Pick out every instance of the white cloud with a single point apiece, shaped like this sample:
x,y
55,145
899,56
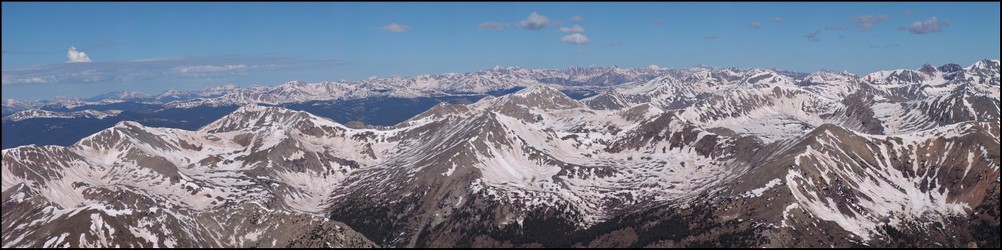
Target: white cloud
x,y
927,26
778,19
572,29
208,68
493,26
535,21
756,24
576,38
577,19
395,28
866,22
77,56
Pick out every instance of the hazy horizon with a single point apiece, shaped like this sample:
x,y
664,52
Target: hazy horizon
x,y
86,49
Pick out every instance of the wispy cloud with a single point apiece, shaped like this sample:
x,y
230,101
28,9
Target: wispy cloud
x,y
613,44
204,69
576,38
492,26
778,19
577,19
659,22
87,47
535,21
816,35
908,13
755,24
712,37
76,56
885,46
866,22
153,68
813,36
396,28
924,27
572,29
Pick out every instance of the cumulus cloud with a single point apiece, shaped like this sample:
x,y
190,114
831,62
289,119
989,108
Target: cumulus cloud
x,y
928,26
866,22
778,19
756,24
572,29
712,37
576,38
77,56
393,27
535,21
492,26
577,19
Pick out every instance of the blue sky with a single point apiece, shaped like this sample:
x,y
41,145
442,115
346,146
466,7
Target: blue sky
x,y
153,47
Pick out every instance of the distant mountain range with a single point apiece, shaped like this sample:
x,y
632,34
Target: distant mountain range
x,y
387,101
695,157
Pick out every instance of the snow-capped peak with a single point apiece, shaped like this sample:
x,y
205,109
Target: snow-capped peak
x,y
928,69
985,64
121,95
256,116
541,96
830,76
538,89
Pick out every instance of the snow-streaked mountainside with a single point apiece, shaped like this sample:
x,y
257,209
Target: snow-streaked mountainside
x,y
38,113
687,82
121,95
695,157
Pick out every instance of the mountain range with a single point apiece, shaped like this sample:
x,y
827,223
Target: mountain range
x,y
655,157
